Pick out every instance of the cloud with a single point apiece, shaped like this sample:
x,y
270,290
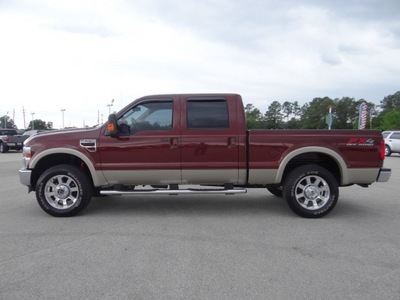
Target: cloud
x,y
80,55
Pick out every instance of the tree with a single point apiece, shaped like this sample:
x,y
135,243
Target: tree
x,y
391,102
254,118
273,116
39,125
391,120
313,114
296,109
292,112
287,109
7,122
346,112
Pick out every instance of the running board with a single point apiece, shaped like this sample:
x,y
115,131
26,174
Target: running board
x,y
173,192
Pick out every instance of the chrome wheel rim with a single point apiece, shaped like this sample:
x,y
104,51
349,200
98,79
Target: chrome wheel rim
x,y
61,192
312,192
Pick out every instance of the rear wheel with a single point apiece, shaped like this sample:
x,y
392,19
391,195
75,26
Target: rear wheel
x,y
311,191
63,191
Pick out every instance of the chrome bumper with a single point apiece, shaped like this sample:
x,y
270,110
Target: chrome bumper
x,y
25,177
384,175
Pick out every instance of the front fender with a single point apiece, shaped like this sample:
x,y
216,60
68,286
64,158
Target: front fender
x,y
97,176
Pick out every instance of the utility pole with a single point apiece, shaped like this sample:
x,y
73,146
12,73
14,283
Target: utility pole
x,y
62,112
23,113
109,106
33,125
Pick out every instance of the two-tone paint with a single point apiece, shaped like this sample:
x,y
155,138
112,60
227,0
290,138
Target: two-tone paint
x,y
224,156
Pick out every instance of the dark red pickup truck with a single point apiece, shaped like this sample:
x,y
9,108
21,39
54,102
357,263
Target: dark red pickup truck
x,y
197,143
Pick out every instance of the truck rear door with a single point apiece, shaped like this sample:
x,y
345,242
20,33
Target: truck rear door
x,y
209,140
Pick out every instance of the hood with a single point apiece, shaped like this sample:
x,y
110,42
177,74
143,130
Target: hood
x,y
63,135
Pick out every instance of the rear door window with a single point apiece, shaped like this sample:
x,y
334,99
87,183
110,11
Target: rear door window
x,y
207,114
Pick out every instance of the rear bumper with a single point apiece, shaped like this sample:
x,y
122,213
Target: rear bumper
x,y
384,175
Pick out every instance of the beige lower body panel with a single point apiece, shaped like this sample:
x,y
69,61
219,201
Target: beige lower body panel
x,y
146,177
361,176
263,176
237,177
143,177
350,176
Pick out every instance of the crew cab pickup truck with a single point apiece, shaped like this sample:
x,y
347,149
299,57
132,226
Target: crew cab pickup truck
x,y
197,143
11,140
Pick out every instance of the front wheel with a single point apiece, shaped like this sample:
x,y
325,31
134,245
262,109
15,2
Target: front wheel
x,y
311,191
63,191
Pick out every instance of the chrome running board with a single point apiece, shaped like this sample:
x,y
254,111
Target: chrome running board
x,y
173,192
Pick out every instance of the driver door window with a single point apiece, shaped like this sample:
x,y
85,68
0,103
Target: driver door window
x,y
147,116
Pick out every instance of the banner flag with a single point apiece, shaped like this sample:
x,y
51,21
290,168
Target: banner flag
x,y
362,116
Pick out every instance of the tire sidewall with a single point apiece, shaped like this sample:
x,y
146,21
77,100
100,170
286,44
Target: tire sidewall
x,y
82,184
299,174
388,151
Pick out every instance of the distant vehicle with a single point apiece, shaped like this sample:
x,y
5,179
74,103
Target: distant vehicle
x,y
392,142
11,140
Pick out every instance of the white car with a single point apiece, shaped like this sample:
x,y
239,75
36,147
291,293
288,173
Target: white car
x,y
392,142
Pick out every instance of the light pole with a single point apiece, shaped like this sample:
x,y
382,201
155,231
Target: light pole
x,y
62,112
109,106
33,126
5,121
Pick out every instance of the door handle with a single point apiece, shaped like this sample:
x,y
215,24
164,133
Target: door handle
x,y
231,142
174,142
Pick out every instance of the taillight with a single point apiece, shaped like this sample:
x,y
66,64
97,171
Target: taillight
x,y
7,139
382,152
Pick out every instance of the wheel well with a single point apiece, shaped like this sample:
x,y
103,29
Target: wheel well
x,y
315,158
58,159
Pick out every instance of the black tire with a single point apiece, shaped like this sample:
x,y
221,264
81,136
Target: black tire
x,y
388,151
63,191
311,191
275,190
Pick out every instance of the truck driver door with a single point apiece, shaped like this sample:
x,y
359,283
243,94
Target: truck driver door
x,y
146,150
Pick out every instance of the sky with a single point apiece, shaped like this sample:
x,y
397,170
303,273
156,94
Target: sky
x,y
79,55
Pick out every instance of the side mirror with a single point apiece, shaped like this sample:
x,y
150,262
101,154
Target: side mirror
x,y
112,126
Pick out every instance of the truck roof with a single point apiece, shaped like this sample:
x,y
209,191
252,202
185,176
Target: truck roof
x,y
8,132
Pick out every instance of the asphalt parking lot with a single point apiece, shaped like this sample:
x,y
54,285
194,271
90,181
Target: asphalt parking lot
x,y
200,247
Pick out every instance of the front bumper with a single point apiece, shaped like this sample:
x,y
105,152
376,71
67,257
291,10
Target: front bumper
x,y
384,175
25,177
